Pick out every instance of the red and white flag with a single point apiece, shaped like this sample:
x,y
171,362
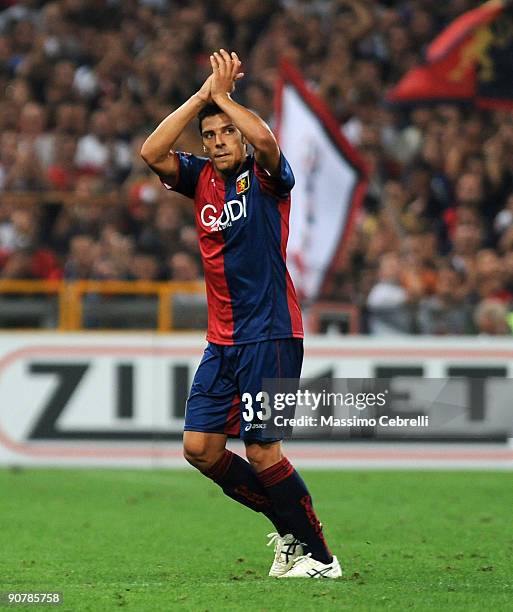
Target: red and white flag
x,y
330,184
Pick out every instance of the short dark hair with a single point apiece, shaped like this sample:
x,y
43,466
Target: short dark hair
x,y
208,111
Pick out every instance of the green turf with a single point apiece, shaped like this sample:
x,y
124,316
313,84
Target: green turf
x,y
169,540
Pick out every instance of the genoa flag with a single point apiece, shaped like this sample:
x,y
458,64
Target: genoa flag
x,y
472,59
331,182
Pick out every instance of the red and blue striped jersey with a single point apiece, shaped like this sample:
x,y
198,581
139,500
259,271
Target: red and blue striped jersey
x,y
243,227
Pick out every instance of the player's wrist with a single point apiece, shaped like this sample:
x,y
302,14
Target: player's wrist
x,y
223,96
201,99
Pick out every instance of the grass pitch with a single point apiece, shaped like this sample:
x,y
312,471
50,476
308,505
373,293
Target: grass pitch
x,y
169,540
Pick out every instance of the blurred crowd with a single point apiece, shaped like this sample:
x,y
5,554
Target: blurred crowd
x,y
85,81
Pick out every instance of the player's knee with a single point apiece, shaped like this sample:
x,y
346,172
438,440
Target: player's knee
x,y
262,456
199,455
195,452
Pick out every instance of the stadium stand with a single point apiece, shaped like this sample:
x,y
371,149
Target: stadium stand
x,y
85,81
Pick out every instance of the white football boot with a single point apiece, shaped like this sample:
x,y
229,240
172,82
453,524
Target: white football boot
x,y
306,567
286,550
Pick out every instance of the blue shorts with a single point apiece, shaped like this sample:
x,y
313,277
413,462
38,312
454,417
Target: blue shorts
x,y
226,373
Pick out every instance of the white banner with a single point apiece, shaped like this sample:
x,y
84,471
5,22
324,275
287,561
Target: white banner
x,y
330,184
105,399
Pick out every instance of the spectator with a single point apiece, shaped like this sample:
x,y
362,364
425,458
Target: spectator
x,y
388,292
63,174
18,266
26,172
448,310
83,254
490,318
145,267
388,299
31,133
183,267
100,152
163,235
489,277
19,232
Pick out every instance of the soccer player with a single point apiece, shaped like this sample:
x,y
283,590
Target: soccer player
x,y
242,205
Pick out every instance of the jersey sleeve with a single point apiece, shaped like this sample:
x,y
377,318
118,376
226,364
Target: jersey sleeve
x,y
281,184
189,168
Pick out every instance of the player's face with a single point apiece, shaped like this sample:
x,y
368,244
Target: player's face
x,y
223,143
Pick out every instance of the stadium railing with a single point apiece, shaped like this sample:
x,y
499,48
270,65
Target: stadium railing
x,y
34,303
338,317
90,304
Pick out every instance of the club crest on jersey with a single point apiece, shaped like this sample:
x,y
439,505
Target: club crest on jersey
x,y
242,183
232,211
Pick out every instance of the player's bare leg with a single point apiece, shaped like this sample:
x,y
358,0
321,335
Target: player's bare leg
x,y
263,455
293,504
203,450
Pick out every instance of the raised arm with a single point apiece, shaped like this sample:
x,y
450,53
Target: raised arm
x,y
255,130
157,149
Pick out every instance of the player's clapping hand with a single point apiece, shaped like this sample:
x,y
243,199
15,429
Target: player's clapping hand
x,y
204,91
225,71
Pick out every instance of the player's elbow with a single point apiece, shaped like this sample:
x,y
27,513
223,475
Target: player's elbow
x,y
148,153
151,154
